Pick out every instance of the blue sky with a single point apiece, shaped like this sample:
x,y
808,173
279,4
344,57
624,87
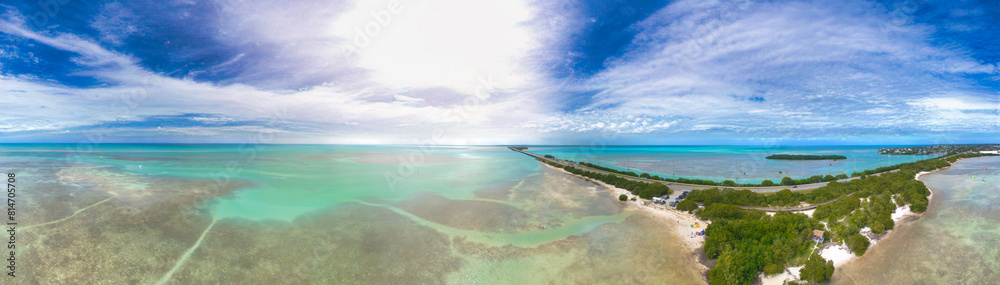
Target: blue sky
x,y
500,72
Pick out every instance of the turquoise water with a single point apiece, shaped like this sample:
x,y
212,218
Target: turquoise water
x,y
358,214
325,214
290,180
743,164
954,242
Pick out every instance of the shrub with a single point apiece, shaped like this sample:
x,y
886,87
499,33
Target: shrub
x,y
687,205
787,181
858,244
622,197
653,190
817,269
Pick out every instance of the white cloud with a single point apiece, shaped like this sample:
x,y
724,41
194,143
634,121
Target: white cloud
x,y
812,66
739,67
115,23
138,93
448,43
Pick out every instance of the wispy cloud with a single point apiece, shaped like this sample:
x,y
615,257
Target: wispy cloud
x,y
497,71
773,67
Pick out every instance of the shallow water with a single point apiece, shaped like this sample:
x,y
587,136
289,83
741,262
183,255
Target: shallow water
x,y
743,164
324,214
955,242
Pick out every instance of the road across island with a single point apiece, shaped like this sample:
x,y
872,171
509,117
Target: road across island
x,y
684,186
681,187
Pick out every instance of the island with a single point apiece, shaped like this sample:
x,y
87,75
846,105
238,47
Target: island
x,y
805,157
938,149
751,235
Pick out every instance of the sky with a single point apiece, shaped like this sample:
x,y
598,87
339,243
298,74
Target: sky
x,y
445,72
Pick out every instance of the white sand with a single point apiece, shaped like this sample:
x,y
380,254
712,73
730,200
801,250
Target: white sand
x,y
921,173
839,254
807,212
901,213
929,197
790,274
682,221
867,233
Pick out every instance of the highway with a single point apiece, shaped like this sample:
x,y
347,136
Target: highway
x,y
681,187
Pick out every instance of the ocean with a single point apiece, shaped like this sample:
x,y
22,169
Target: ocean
x,y
743,164
263,214
269,214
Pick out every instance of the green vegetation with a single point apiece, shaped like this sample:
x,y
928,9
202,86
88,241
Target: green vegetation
x,y
787,181
653,190
745,197
687,205
622,197
922,165
747,242
549,156
858,244
924,150
612,170
817,269
805,157
727,183
645,190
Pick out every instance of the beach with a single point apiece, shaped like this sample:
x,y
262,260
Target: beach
x,y
680,221
953,242
327,215
839,253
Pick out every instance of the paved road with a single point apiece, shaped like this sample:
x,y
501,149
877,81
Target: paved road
x,y
681,187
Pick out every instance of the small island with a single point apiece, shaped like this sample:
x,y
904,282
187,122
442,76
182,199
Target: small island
x,y
805,157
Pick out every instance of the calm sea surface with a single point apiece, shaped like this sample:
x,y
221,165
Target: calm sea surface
x,y
269,214
262,214
743,164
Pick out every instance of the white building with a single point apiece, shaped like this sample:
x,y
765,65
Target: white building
x,y
991,151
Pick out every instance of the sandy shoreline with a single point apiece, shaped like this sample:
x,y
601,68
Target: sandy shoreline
x,y
840,254
680,220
